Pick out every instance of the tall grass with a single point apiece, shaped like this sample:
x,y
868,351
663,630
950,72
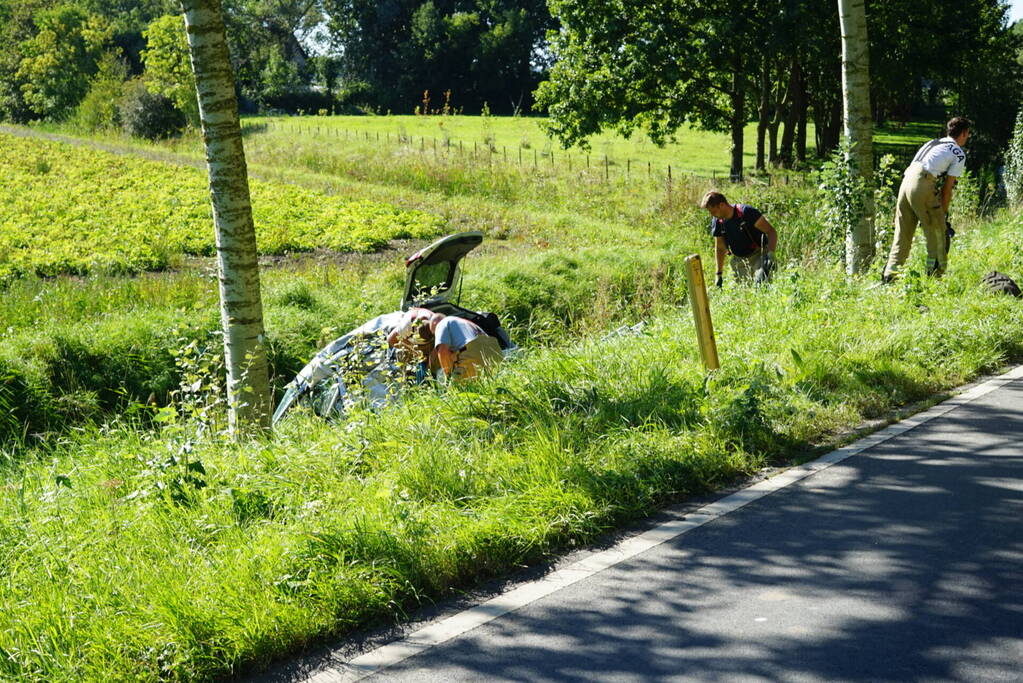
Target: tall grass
x,y
137,555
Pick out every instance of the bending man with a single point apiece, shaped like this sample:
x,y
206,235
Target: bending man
x,y
743,232
462,349
939,161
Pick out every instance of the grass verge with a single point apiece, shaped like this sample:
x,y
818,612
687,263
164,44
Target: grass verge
x,y
145,556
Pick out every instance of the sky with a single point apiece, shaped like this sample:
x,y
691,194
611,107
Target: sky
x,y
1015,10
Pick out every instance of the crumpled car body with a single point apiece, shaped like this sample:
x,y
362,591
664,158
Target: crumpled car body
x,y
359,367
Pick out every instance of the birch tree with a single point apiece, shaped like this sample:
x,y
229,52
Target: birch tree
x,y
859,245
241,310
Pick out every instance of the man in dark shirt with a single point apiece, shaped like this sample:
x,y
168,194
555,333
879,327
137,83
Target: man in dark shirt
x,y
743,232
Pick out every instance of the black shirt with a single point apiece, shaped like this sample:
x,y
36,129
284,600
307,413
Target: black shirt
x,y
741,235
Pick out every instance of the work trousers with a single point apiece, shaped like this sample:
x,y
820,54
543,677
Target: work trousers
x,y
918,203
745,267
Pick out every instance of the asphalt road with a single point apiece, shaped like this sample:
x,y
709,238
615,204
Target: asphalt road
x,y
902,562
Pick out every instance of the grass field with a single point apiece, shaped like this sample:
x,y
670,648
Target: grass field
x,y
506,140
134,549
72,210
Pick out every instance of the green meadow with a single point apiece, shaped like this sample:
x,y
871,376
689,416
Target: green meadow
x,y
137,546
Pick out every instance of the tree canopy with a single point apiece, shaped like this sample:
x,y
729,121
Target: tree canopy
x,y
649,66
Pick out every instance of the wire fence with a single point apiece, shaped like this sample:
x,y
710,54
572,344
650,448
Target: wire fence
x,y
489,155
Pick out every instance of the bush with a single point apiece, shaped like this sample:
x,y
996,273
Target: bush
x,y
1014,164
148,115
99,110
840,200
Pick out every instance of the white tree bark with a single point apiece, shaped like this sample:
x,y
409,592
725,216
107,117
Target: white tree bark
x,y
859,246
241,309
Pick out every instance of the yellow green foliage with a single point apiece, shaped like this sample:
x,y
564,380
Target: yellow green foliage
x,y
77,210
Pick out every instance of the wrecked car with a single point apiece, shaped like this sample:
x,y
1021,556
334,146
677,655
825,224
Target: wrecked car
x,y
360,366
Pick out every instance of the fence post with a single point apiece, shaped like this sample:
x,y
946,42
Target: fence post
x,y
520,156
534,157
628,168
607,170
701,312
648,169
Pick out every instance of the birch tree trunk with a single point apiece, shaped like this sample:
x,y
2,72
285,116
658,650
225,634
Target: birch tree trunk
x,y
241,309
859,244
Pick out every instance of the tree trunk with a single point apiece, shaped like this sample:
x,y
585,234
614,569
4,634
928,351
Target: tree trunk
x,y
241,310
781,99
796,97
859,249
801,132
738,120
762,109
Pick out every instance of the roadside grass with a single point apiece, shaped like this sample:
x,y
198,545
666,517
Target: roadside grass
x,y
141,555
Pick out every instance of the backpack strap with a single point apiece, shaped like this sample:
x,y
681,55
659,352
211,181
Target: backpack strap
x,y
746,228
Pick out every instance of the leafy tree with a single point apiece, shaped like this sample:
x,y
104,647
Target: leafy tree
x,y
60,59
128,19
16,29
266,42
100,107
480,50
651,65
168,71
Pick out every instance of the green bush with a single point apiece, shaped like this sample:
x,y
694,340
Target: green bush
x,y
100,109
149,115
1014,164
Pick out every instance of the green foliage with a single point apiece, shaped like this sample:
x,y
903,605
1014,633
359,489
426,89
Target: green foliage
x,y
71,210
840,201
278,78
966,200
887,178
480,51
100,109
1014,164
148,115
59,61
168,66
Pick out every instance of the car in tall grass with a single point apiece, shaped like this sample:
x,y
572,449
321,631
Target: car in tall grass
x,y
360,366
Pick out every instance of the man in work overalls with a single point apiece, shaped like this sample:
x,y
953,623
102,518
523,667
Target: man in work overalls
x,y
920,202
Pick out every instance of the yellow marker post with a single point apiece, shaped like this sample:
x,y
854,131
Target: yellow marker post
x,y
701,312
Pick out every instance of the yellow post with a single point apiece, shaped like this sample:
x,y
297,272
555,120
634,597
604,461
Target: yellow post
x,y
701,312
